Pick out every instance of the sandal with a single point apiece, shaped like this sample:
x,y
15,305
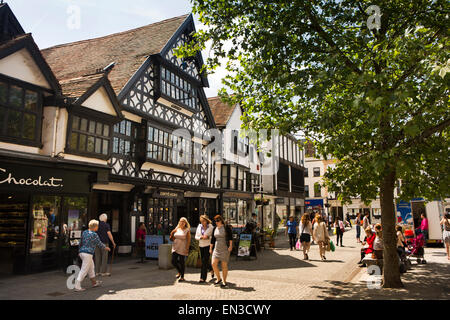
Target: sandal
x,y
181,280
218,282
97,284
178,275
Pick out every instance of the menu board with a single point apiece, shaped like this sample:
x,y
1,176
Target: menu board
x,y
245,242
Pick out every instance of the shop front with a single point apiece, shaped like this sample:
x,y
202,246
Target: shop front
x,y
43,209
314,205
237,207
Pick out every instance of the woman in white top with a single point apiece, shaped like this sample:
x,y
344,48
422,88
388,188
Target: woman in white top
x,y
446,233
305,230
320,235
203,235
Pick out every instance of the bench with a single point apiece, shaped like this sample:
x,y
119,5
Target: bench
x,y
369,261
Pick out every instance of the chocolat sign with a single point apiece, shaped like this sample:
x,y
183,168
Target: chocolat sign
x,y
40,182
14,177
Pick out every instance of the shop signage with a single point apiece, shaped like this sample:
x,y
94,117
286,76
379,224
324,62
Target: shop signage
x,y
168,194
152,244
245,242
237,195
14,177
279,200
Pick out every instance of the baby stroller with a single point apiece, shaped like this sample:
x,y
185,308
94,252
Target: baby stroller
x,y
415,250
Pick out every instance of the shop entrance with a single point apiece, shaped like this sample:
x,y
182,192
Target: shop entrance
x,y
162,215
14,209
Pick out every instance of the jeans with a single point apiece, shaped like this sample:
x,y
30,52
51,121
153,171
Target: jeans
x,y
178,262
292,240
101,260
87,268
358,232
339,235
206,265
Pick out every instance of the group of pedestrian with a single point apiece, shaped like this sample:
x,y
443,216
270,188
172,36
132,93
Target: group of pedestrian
x,y
215,242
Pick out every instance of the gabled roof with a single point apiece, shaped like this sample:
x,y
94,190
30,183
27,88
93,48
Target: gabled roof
x,y
221,111
9,26
128,49
26,41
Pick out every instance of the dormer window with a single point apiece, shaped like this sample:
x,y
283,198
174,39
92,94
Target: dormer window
x,y
178,89
20,114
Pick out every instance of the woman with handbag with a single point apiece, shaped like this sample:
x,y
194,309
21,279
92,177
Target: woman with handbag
x,y
203,235
305,235
320,235
340,229
181,237
220,248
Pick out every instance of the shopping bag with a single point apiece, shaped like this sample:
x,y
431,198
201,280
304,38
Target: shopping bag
x,y
298,245
332,246
334,231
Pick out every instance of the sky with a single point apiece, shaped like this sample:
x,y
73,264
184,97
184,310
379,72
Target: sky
x,y
53,22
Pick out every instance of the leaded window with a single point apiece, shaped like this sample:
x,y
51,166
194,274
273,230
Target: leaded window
x,y
20,113
90,137
124,138
165,147
177,88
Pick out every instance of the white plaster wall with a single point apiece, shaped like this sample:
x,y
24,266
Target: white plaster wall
x,y
21,65
100,101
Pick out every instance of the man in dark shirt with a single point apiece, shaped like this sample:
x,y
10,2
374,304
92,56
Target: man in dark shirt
x,y
101,256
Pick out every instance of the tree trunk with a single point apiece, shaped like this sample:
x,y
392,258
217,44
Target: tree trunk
x,y
391,271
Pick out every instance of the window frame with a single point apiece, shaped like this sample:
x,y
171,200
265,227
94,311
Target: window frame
x,y
37,141
186,88
315,172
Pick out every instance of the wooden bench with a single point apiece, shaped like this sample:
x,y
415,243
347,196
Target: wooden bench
x,y
369,261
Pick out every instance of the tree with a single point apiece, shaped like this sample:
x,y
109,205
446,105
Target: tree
x,y
375,99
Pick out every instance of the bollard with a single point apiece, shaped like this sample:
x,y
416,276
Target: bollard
x,y
165,256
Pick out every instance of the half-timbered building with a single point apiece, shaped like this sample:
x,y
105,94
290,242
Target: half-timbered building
x,y
158,156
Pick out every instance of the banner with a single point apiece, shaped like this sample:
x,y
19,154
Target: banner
x,y
152,244
404,215
245,242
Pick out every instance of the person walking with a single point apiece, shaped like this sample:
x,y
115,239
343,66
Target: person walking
x,y
445,222
292,230
101,256
305,235
339,226
358,227
366,222
424,226
349,221
181,237
320,235
203,236
89,242
140,241
220,248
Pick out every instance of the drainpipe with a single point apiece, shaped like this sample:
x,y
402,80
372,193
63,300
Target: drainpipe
x,y
55,131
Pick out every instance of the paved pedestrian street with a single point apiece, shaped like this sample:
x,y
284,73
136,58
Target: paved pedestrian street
x,y
278,274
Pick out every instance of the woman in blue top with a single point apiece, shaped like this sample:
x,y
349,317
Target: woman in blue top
x,y
291,229
89,241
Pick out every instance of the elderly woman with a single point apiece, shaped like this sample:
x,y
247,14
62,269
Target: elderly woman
x,y
203,236
89,241
320,235
181,237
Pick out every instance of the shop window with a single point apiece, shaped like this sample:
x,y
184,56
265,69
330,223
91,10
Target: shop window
x,y
74,217
20,113
45,224
89,137
225,176
178,89
316,172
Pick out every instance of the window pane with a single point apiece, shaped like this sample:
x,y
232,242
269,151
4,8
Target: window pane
x,y
105,147
116,145
92,126
31,100
155,135
15,96
99,130
73,140
98,145
29,126
83,125
75,123
106,130
160,153
3,92
150,151
82,145
161,137
127,147
90,144
128,130
166,138
163,72
150,134
14,123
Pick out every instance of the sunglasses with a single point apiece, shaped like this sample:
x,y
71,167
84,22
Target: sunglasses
x,y
218,220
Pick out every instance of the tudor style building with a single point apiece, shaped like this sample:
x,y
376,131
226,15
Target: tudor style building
x,y
158,151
